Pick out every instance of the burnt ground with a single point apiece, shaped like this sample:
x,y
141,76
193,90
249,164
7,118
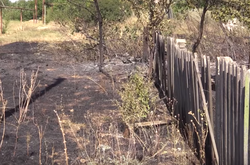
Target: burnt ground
x,y
85,101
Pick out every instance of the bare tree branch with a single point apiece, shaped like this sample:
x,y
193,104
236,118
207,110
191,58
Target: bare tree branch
x,y
82,6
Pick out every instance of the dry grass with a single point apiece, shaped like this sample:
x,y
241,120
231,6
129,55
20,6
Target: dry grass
x,y
62,38
64,140
25,93
97,145
31,32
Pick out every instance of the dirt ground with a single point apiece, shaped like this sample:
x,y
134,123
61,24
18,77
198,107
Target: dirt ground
x,y
84,99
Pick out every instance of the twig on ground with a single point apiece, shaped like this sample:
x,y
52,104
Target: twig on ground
x,y
41,132
63,136
2,117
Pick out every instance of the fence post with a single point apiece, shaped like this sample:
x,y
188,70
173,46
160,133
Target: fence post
x,y
21,16
248,59
36,10
45,13
1,19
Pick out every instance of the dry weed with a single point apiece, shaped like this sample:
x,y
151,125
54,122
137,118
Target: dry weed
x,y
2,115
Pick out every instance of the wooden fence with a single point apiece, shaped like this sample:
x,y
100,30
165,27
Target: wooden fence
x,y
186,80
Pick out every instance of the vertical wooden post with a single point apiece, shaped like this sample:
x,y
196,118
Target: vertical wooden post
x,y
36,10
45,14
1,19
34,16
237,113
241,115
21,16
43,11
246,120
248,59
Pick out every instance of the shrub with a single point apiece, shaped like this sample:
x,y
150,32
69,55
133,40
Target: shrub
x,y
136,99
5,26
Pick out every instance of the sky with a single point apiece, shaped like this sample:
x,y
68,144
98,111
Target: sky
x,y
13,0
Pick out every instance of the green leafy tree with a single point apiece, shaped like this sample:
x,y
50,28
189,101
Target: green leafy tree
x,y
69,10
5,2
227,10
14,14
77,12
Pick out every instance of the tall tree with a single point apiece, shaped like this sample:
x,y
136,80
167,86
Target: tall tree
x,y
151,13
205,5
96,14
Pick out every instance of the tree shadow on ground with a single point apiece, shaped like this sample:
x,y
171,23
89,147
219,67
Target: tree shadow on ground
x,y
10,112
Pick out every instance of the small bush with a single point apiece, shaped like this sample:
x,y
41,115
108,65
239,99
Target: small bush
x,y
136,99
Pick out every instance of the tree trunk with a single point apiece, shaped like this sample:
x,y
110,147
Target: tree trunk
x,y
198,40
100,34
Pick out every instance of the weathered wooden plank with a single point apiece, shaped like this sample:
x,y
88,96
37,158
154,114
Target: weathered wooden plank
x,y
189,86
237,95
225,128
233,114
173,52
203,80
209,150
246,118
186,87
209,84
176,83
182,86
157,64
218,108
169,65
197,78
241,115
229,128
221,112
164,78
194,91
160,59
152,123
192,79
